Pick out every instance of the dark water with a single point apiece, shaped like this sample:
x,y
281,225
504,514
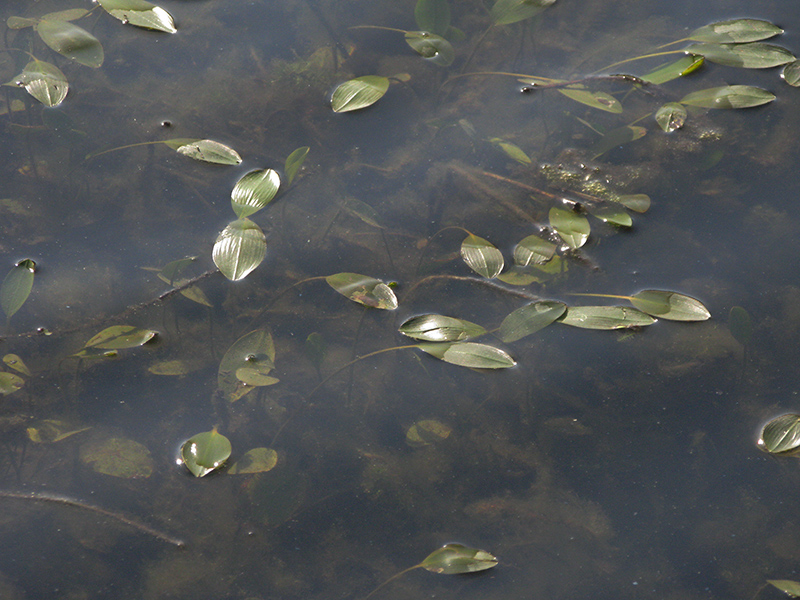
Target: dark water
x,y
604,465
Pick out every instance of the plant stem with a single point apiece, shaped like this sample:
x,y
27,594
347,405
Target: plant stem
x,y
392,578
96,154
642,57
403,31
602,296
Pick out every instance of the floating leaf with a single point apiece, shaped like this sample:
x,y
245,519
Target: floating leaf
x,y
530,319
670,305
10,383
119,337
293,163
570,226
71,41
438,328
15,362
512,151
636,202
505,12
787,586
257,460
50,431
17,286
431,46
748,56
118,457
205,150
599,100
363,211
740,325
791,73
239,249
606,317
454,559
43,81
735,31
617,137
433,16
481,256
359,93
251,356
533,250
205,452
680,68
781,435
729,96
671,116
364,290
611,214
140,13
427,432
469,354
254,191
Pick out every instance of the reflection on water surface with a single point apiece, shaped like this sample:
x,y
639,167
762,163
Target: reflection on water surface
x,y
604,464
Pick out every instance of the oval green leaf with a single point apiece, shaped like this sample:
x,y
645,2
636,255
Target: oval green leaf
x,y
43,81
13,361
17,286
359,93
533,250
747,56
119,337
250,357
680,68
205,150
439,328
140,14
636,202
469,354
606,317
433,16
239,249
791,73
257,460
570,226
364,290
205,452
530,319
254,191
735,31
671,116
787,586
670,305
512,151
10,383
599,100
729,96
118,457
454,559
611,214
294,161
781,435
71,41
481,256
433,47
505,12
362,210
20,22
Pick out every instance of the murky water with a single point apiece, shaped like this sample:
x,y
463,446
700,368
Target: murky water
x,y
604,465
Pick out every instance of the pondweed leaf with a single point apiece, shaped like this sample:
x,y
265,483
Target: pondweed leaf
x,y
671,116
50,431
119,337
670,305
747,56
205,452
680,68
439,328
469,354
636,202
740,325
610,214
246,365
293,163
10,383
426,433
735,31
617,137
598,100
791,73
239,249
364,290
533,250
118,457
570,226
505,12
71,41
17,286
454,559
432,47
781,435
729,96
171,274
512,151
21,22
530,319
257,460
787,586
481,256
433,16
205,150
605,317
140,14
43,81
254,191
13,361
362,210
359,93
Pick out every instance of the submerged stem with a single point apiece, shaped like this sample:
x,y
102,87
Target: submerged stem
x,y
96,154
642,57
392,578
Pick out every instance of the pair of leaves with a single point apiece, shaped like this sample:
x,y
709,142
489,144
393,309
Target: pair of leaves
x,y
648,304
364,290
43,81
17,286
673,115
246,365
114,338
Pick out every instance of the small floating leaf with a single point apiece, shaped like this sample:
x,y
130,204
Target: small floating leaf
x,y
505,12
781,435
10,383
787,586
512,151
606,317
293,163
740,325
680,68
454,559
239,249
431,46
205,452
433,16
15,362
251,356
670,305
729,96
618,137
71,41
611,214
118,457
533,250
530,319
469,354
257,460
570,226
671,116
359,93
119,337
636,202
364,290
439,328
140,13
254,191
50,431
735,31
748,56
427,432
205,150
43,81
481,256
791,73
17,286
599,100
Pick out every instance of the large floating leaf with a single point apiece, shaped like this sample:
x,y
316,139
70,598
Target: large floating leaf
x,y
205,150
680,68
10,383
729,96
735,31
17,286
205,452
254,191
570,226
293,163
748,56
364,290
257,460
246,365
787,586
617,137
671,116
140,13
481,256
427,432
239,249
781,435
505,12
439,328
431,46
530,319
791,73
433,16
606,317
454,559
533,250
71,41
469,354
43,81
599,100
359,93
670,305
118,457
119,337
